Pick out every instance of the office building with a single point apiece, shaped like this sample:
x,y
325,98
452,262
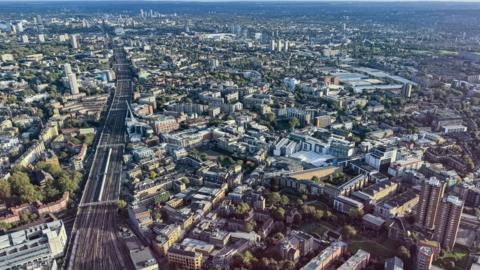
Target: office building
x,y
381,157
448,220
141,256
184,259
74,41
326,257
429,204
394,263
166,125
166,237
407,90
19,27
67,68
425,256
34,248
71,79
273,45
358,261
25,39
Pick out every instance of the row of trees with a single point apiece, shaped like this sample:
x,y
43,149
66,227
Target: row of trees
x,y
276,199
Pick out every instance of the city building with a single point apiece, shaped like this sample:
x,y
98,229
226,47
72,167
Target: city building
x,y
429,203
394,263
448,221
71,80
166,237
141,256
74,43
184,259
34,248
326,257
356,262
425,256
346,205
397,205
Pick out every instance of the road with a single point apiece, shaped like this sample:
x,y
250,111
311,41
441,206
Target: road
x,y
94,242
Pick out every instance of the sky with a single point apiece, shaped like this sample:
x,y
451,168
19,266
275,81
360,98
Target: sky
x,y
258,1
241,0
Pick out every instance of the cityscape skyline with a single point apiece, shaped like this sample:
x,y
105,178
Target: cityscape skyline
x,y
240,135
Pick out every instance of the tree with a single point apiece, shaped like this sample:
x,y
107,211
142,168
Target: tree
x,y
225,161
162,197
63,181
51,193
270,118
349,232
244,259
66,183
403,253
153,174
237,259
157,216
279,213
318,215
21,187
185,180
242,209
293,122
469,163
87,138
122,204
303,190
5,190
63,155
266,263
54,169
274,198
308,209
355,213
5,226
288,265
284,200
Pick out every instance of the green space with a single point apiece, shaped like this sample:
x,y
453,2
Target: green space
x,y
445,52
319,205
421,52
454,260
314,228
208,153
376,249
282,124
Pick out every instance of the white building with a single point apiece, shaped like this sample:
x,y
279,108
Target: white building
x,y
290,82
71,79
74,41
34,248
381,157
25,39
453,129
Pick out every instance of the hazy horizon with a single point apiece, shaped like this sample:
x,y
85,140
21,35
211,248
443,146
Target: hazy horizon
x,y
256,1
